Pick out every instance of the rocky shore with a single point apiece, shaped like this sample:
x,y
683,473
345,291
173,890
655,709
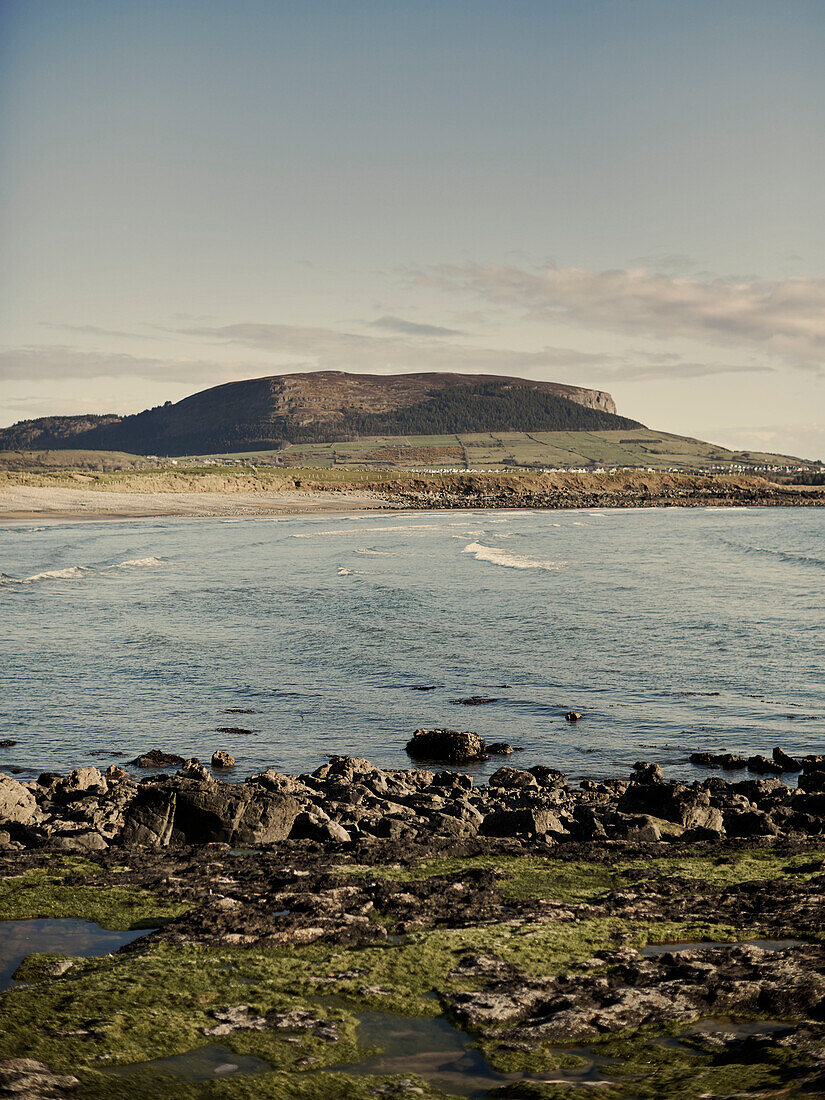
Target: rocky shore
x,y
641,936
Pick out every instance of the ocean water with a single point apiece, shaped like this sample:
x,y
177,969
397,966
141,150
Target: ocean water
x,y
669,629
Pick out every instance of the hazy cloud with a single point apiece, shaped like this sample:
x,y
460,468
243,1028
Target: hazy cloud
x,y
783,319
55,361
413,328
328,349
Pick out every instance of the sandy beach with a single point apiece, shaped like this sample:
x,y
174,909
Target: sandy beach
x,y
24,502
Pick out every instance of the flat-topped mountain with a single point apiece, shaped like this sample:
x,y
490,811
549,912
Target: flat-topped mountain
x,y
326,406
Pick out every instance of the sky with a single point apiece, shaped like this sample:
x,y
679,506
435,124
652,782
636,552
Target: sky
x,y
622,194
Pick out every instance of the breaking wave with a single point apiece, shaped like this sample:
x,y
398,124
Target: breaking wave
x,y
140,563
496,556
73,572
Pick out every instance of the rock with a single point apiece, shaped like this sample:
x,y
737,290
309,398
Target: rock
x,y
114,774
233,729
187,811
473,701
533,822
673,802
572,716
812,781
449,746
513,779
156,758
500,748
222,759
17,804
647,773
639,828
727,760
31,1080
749,823
193,769
763,766
315,826
548,777
786,763
7,743
80,782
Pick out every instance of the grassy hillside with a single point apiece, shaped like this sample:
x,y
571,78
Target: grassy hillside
x,y
637,447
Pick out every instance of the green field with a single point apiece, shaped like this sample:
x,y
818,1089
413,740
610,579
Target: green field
x,y
635,447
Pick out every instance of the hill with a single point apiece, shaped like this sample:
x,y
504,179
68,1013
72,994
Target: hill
x,y
327,406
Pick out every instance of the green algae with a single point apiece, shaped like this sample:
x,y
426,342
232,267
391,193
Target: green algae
x,y
549,877
59,892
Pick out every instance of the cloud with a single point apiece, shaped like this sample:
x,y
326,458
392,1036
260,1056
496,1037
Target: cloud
x,y
413,328
328,349
56,361
783,319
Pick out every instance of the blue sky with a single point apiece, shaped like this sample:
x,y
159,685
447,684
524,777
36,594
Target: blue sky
x,y
620,194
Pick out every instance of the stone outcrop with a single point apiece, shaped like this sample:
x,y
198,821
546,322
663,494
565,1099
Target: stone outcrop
x,y
447,746
348,800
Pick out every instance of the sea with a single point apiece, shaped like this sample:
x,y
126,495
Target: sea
x,y
287,640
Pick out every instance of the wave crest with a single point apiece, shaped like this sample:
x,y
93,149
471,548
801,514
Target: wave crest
x,y
497,556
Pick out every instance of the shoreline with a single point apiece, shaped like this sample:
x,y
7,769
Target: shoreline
x,y
52,504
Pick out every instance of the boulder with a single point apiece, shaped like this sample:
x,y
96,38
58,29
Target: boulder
x,y
647,773
114,774
17,804
316,826
188,811
513,779
500,748
787,763
447,746
572,716
534,821
79,783
673,802
193,769
761,765
222,759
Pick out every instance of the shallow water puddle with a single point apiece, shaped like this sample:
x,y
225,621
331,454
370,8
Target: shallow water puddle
x,y
431,1048
21,938
205,1064
654,949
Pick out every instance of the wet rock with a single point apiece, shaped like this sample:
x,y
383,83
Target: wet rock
x,y
17,804
786,763
473,701
673,802
157,758
573,716
114,774
234,730
222,759
449,746
500,748
7,743
727,760
763,766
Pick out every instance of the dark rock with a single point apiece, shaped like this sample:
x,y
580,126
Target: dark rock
x,y
7,744
572,716
786,763
750,823
186,811
473,701
114,774
193,769
233,729
647,773
763,766
450,746
812,781
533,822
513,779
500,748
222,759
673,802
156,758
